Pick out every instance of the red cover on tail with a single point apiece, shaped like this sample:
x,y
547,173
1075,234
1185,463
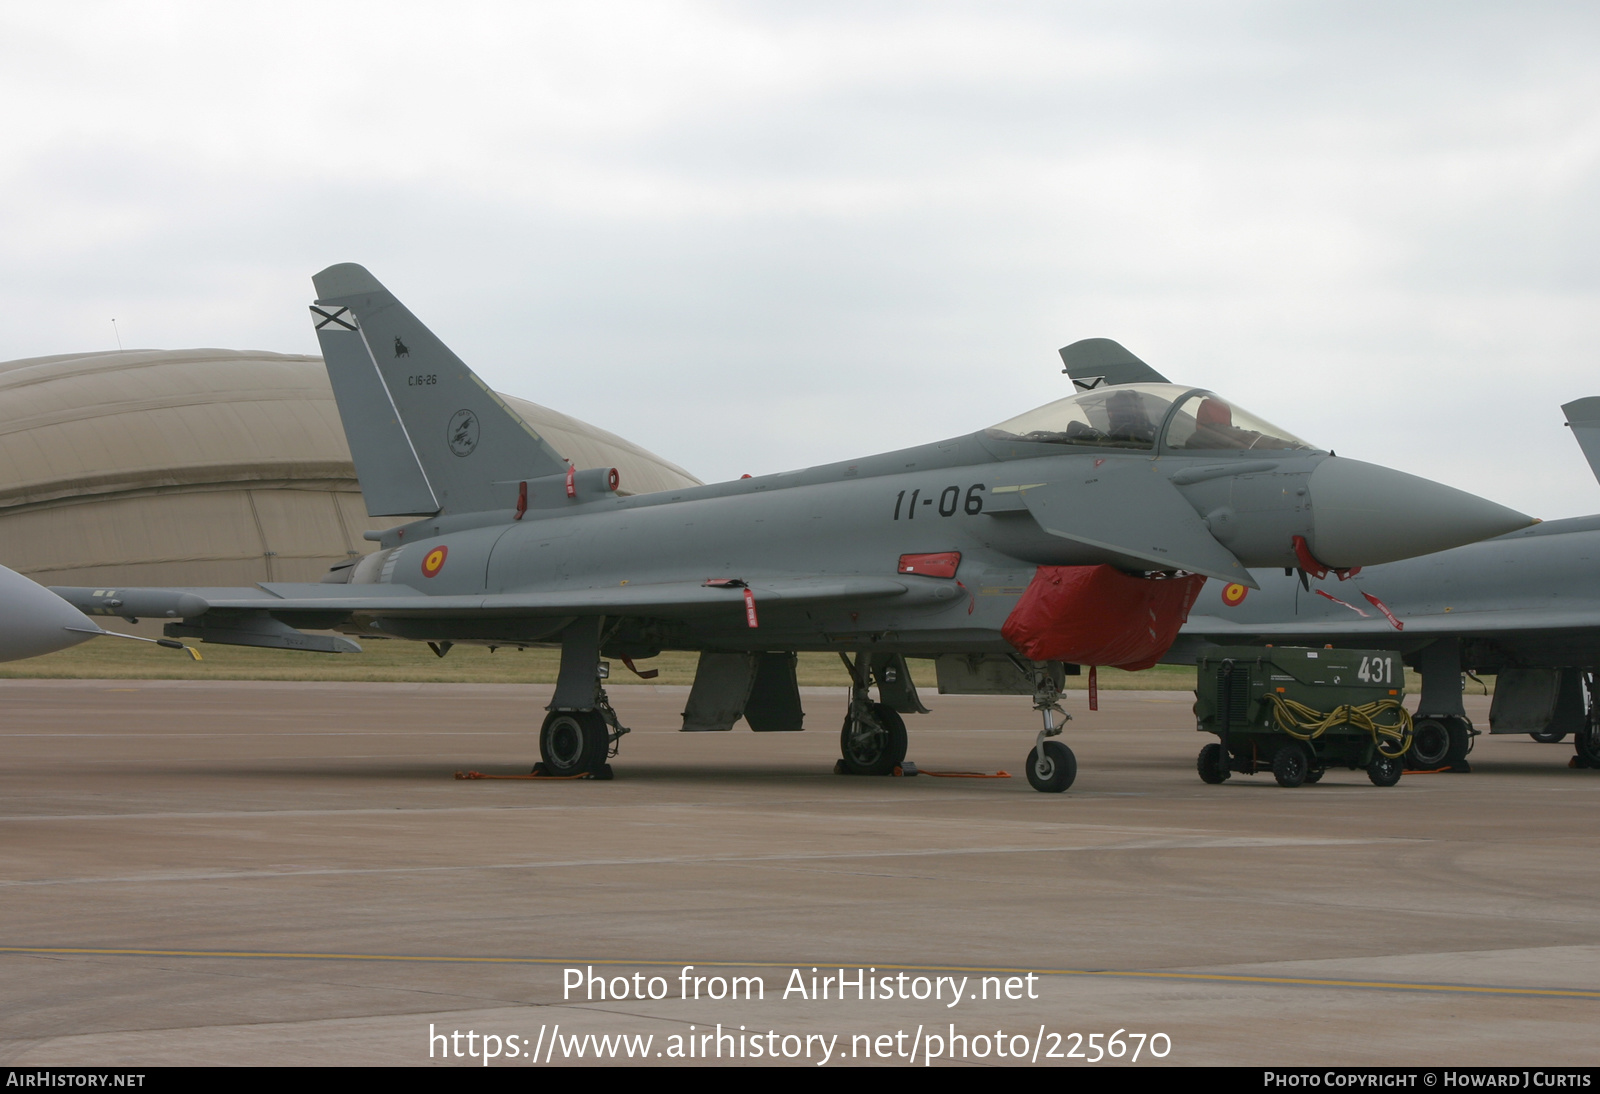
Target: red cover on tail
x,y
1098,615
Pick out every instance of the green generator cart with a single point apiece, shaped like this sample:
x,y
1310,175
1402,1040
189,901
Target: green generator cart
x,y
1296,711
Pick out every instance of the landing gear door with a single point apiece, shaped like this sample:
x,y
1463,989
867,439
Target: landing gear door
x,y
895,686
774,702
1525,700
722,684
993,674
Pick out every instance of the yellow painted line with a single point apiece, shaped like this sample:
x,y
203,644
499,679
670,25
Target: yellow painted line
x,y
441,959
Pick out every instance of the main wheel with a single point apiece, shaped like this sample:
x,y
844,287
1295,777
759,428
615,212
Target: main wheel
x,y
1384,770
1430,745
1550,736
1052,772
1212,765
1291,765
873,750
1586,743
573,742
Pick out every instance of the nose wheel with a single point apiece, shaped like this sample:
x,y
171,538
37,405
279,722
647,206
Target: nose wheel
x,y
1051,767
1051,764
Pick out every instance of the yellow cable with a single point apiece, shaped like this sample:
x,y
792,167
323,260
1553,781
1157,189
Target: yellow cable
x,y
1307,724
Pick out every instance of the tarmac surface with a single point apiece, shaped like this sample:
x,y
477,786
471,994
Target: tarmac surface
x,y
278,873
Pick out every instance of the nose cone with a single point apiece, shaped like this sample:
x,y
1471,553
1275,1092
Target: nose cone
x,y
34,620
1363,514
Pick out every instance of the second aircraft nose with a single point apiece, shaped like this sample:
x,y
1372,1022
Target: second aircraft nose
x,y
1364,514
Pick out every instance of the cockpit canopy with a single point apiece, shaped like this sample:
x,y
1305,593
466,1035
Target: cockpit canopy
x,y
1133,416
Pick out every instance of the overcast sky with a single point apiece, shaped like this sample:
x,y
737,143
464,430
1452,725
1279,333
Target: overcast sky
x,y
760,236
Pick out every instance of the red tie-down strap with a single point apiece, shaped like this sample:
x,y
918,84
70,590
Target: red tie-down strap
x,y
750,609
572,480
1336,600
1384,608
1374,601
1098,615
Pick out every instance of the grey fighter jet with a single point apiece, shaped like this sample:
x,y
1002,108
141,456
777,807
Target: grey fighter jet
x,y
1075,533
1524,606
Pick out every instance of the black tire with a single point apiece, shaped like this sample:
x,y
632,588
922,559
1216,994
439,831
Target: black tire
x,y
868,750
1054,772
1384,770
1431,744
1460,743
1211,765
1550,736
1291,764
1586,743
573,742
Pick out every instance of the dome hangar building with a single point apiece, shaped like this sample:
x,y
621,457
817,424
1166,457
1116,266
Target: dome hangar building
x,y
207,467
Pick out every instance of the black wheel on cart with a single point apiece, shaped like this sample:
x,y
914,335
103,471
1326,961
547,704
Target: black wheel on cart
x,y
1212,765
1291,765
1385,770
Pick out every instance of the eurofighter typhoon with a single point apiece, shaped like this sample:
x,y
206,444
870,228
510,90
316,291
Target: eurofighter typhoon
x,y
1077,533
1523,607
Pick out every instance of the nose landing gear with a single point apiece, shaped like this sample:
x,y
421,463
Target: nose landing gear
x,y
1051,764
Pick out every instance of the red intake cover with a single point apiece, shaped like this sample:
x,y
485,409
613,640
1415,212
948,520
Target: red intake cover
x,y
1098,615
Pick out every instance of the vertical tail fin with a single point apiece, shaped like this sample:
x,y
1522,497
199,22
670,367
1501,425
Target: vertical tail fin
x,y
426,433
1583,417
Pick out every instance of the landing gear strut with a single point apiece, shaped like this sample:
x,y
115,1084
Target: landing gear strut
x,y
1051,764
1441,734
873,740
581,731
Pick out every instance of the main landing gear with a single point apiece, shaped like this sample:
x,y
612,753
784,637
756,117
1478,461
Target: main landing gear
x,y
1440,740
579,742
873,740
1586,742
581,731
1051,764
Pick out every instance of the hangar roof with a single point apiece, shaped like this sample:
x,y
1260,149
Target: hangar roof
x,y
88,424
